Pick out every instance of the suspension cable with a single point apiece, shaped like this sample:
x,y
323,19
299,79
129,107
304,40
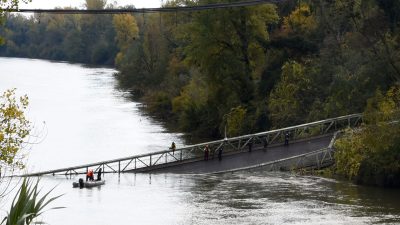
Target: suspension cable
x,y
146,10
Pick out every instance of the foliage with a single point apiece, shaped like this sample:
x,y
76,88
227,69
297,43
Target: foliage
x,y
8,4
235,121
289,100
14,128
126,31
78,38
371,154
301,22
27,205
191,103
226,48
282,64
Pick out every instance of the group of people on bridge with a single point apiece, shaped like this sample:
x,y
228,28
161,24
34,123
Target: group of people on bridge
x,y
207,149
207,152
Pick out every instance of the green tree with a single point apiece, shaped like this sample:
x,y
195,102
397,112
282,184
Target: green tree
x,y
227,48
126,32
290,101
235,121
370,155
6,5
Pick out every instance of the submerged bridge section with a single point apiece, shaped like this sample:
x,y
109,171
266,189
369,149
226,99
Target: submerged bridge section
x,y
300,154
307,141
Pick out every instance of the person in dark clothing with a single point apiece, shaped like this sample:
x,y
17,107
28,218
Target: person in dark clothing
x,y
220,153
250,145
99,175
206,152
287,138
173,147
265,144
81,185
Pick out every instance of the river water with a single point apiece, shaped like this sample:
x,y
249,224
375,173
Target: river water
x,y
87,119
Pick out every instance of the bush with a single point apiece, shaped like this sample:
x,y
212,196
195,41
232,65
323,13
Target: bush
x,y
371,154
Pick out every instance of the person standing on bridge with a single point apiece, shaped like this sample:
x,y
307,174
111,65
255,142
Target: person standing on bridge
x,y
206,152
220,153
287,139
265,143
250,145
173,147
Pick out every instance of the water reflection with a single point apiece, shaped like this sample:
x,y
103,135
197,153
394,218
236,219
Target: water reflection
x,y
238,198
87,118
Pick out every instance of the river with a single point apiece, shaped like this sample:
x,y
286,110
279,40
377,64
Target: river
x,y
87,119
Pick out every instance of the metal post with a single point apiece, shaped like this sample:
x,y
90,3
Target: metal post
x,y
150,160
119,166
135,163
181,155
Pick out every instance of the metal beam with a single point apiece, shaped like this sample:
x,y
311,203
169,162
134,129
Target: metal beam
x,y
146,10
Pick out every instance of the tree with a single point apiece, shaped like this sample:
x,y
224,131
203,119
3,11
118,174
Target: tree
x,y
300,22
126,32
98,35
370,155
227,49
292,97
5,5
235,121
14,130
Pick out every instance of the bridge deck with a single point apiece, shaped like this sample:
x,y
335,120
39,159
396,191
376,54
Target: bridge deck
x,y
246,159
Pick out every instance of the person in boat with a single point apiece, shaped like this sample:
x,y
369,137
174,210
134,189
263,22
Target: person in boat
x,y
99,175
89,175
173,147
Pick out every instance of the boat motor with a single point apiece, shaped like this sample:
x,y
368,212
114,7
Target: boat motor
x,y
81,183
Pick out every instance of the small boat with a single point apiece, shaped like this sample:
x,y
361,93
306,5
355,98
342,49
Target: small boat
x,y
88,184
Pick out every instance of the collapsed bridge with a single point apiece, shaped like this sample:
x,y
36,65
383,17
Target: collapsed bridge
x,y
311,145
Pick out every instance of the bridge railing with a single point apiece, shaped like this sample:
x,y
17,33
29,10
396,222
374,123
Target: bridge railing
x,y
317,159
227,146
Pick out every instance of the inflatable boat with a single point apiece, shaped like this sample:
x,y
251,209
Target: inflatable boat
x,y
88,184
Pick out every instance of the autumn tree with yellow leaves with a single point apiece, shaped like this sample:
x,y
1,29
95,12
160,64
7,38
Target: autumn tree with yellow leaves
x,y
14,129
